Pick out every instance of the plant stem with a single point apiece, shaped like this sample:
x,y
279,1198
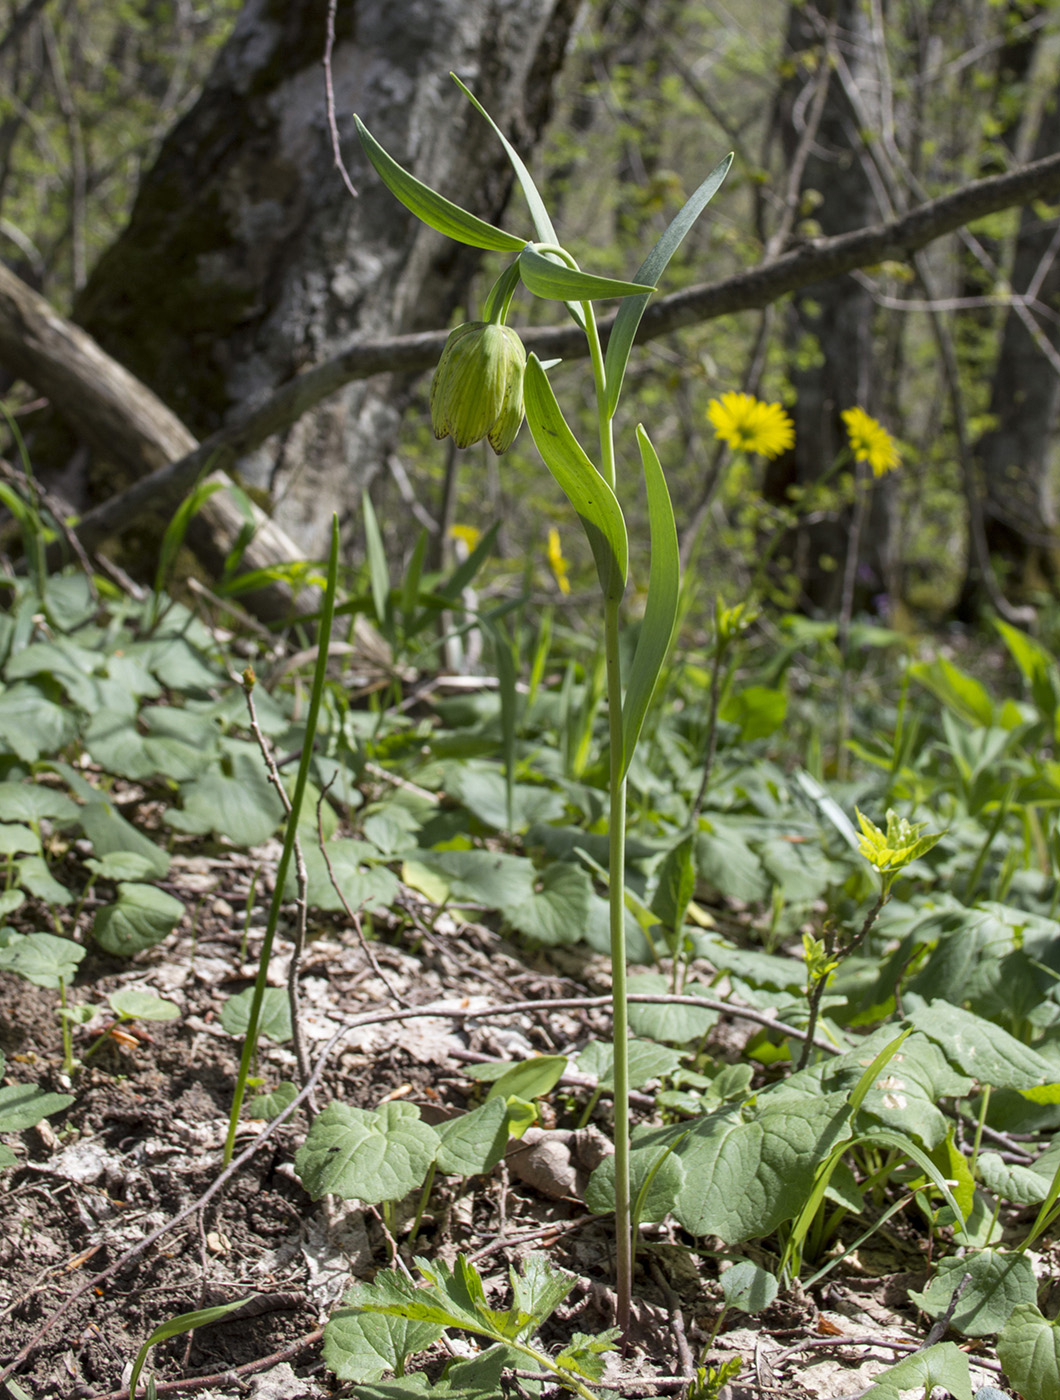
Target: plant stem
x,y
616,869
319,676
620,1009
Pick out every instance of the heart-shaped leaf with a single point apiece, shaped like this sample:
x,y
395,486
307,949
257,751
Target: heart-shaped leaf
x,y
368,1156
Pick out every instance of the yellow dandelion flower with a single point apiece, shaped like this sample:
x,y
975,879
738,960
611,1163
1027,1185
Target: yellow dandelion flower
x,y
556,561
467,534
870,442
749,425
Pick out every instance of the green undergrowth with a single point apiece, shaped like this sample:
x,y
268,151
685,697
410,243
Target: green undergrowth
x,y
930,976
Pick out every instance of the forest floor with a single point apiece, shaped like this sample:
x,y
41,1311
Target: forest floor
x,y
107,1232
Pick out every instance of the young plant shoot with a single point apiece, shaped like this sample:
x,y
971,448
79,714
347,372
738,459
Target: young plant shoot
x,y
482,387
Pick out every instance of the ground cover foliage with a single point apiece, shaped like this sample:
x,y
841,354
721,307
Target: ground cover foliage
x,y
843,1116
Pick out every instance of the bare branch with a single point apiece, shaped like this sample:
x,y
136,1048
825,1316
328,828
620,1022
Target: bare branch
x,y
814,261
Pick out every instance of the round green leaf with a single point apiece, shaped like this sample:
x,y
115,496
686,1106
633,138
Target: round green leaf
x,y
371,1157
142,917
132,1004
42,958
275,1021
999,1283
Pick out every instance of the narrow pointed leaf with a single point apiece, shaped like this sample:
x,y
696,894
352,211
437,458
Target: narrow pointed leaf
x,y
542,223
660,614
432,208
587,491
377,566
558,282
620,341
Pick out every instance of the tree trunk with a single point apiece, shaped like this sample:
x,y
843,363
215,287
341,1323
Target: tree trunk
x,y
246,259
829,325
1014,454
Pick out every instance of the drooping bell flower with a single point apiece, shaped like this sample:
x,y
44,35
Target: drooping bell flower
x,y
477,390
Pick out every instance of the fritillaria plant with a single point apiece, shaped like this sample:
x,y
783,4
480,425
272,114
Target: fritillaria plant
x,y
483,385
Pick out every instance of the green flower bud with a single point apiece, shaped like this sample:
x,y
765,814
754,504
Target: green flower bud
x,y
477,390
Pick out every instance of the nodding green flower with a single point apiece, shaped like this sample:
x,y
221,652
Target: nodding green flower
x,y
477,390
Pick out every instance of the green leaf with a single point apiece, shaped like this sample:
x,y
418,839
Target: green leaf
x,y
22,802
673,1025
369,1156
660,613
647,1061
1029,1350
759,710
532,1079
1023,1186
108,831
546,277
749,1287
275,1018
587,1356
656,1177
771,1146
538,213
482,789
363,1346
42,958
539,1287
271,1105
557,911
959,692
675,885
32,873
120,865
587,491
942,1365
18,840
32,725
365,885
242,805
980,1048
142,917
497,880
906,1093
474,1142
431,208
178,528
24,1105
623,332
176,1327
132,1004
999,1283
378,571
10,900
8,1159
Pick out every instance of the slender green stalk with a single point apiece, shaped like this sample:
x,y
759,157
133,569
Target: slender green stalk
x,y
319,675
619,990
617,870
68,1044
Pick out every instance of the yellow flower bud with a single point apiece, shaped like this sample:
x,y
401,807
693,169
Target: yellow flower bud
x,y
477,390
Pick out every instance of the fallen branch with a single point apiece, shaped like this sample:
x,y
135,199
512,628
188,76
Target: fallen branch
x,y
813,261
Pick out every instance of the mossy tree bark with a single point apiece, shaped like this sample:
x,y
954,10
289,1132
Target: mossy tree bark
x,y
246,259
